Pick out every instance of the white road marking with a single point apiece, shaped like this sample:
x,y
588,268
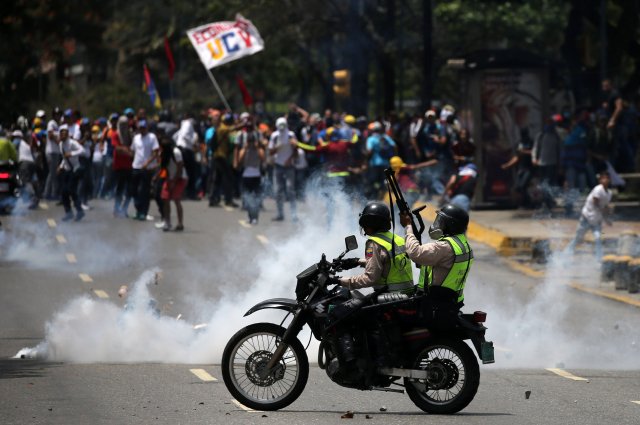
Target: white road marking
x,y
44,206
179,316
243,407
244,224
203,375
100,293
636,402
51,222
61,239
71,258
566,374
85,278
263,239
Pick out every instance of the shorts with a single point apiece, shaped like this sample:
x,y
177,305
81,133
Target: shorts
x,y
176,193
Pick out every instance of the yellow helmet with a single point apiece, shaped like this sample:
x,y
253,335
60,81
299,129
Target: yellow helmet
x,y
396,163
350,119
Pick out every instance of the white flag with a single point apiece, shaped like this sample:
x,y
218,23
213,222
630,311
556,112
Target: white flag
x,y
220,42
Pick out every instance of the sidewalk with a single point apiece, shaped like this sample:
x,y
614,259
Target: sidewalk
x,y
513,234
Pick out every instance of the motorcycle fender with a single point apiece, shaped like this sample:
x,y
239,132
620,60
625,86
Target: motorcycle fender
x,y
285,304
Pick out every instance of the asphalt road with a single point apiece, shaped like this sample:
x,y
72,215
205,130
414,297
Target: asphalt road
x,y
107,360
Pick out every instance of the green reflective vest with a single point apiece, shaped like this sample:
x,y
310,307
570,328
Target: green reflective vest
x,y
400,277
458,273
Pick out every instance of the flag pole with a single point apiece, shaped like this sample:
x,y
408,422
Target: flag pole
x,y
215,84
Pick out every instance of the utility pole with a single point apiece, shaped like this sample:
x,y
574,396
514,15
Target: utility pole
x,y
427,56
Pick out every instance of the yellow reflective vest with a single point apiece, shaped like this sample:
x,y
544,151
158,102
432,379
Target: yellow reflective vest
x,y
400,277
457,276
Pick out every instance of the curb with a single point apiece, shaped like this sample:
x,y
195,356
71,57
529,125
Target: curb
x,y
506,246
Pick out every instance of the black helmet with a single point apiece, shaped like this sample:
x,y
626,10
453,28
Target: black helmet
x,y
376,215
450,220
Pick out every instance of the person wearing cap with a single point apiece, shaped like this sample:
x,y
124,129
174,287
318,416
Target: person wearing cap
x,y
53,156
146,149
283,147
380,149
405,177
69,170
70,118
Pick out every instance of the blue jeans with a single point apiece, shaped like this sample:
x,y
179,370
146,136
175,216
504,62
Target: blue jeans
x,y
583,227
286,188
461,201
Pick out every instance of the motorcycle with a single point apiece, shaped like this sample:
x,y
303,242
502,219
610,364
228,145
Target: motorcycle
x,y
9,186
265,366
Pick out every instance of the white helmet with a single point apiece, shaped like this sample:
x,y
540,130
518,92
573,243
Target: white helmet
x,y
281,123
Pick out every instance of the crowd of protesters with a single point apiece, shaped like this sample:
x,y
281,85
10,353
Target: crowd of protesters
x,y
225,157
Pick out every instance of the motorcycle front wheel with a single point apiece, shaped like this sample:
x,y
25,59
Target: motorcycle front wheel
x,y
452,380
244,361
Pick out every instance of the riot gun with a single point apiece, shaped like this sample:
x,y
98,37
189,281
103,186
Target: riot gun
x,y
403,206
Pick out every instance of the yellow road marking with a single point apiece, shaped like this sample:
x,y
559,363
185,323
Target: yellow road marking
x,y
566,374
244,223
51,222
85,278
523,268
636,402
263,239
203,375
611,296
61,239
243,407
71,258
100,293
44,205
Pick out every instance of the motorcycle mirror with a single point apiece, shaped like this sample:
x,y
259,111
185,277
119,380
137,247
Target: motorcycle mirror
x,y
351,242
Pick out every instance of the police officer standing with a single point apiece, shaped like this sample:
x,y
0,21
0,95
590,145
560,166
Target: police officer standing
x,y
444,264
386,263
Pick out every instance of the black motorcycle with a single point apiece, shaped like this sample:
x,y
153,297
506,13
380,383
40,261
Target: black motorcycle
x,y
9,186
265,366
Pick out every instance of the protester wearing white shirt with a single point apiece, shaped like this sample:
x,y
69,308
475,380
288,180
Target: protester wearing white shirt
x,y
52,153
187,141
26,169
69,170
594,212
145,148
282,145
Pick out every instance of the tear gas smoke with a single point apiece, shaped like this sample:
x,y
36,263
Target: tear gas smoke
x,y
540,329
92,330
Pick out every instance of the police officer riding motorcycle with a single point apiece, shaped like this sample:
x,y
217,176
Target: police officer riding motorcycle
x,y
398,335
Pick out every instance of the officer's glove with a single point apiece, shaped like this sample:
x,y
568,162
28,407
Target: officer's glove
x,y
333,280
350,263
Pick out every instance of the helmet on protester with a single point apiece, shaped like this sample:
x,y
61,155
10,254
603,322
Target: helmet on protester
x,y
350,119
396,163
375,126
281,123
450,220
375,215
227,118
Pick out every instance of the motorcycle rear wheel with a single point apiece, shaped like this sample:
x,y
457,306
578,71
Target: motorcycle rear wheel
x,y
453,381
248,352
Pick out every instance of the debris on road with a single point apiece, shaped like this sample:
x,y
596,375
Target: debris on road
x,y
369,417
122,292
527,394
348,415
383,409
